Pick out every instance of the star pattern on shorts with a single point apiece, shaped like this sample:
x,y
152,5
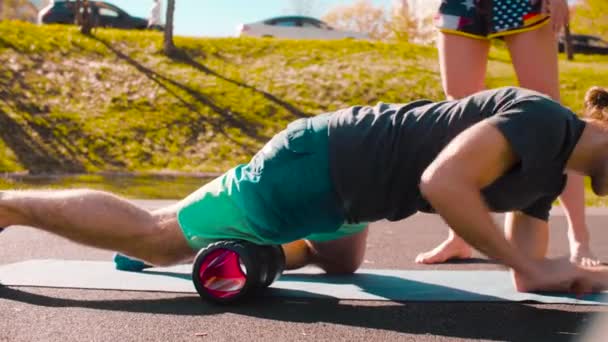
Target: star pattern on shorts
x,y
509,14
469,4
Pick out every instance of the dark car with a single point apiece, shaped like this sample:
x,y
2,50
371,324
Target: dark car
x,y
103,14
585,44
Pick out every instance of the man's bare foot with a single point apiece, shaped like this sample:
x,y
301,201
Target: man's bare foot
x,y
581,255
447,250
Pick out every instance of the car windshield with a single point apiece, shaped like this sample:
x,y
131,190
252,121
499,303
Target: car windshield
x,y
598,43
311,22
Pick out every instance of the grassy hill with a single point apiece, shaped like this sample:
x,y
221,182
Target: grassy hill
x,y
114,102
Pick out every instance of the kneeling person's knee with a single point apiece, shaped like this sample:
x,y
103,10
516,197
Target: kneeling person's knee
x,y
337,267
342,256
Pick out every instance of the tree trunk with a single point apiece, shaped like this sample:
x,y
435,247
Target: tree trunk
x,y
77,12
82,15
568,43
169,47
87,22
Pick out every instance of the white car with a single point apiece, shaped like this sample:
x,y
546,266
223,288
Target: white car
x,y
296,27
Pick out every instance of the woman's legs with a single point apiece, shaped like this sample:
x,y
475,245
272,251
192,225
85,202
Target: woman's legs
x,y
343,255
463,63
99,219
573,200
534,56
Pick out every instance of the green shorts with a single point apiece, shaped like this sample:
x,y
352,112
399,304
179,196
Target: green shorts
x,y
283,194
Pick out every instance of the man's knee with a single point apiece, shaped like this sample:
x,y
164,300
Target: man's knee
x,y
341,266
340,261
341,256
162,243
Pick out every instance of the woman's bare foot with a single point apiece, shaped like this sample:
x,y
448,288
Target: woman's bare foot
x,y
452,248
581,255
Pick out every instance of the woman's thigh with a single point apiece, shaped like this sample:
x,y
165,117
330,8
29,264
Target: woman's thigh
x,y
534,55
462,61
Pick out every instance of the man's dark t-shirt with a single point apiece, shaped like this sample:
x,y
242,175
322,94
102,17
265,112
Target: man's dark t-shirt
x,y
378,154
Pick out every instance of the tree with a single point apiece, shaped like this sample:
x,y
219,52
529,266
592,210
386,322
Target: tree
x,y
169,46
402,24
18,10
416,17
568,43
362,16
83,15
590,17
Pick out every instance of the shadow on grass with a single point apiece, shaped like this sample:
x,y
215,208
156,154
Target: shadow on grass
x,y
227,116
181,55
37,146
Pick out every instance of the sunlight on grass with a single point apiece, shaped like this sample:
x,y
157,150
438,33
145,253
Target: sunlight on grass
x,y
113,102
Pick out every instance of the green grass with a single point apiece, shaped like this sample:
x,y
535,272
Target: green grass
x,y
114,102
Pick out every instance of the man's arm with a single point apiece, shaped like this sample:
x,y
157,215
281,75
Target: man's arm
x,y
530,236
452,184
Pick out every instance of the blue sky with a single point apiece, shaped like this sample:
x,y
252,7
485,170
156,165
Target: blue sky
x,y
221,17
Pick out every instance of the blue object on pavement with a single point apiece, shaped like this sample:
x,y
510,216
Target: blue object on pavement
x,y
125,263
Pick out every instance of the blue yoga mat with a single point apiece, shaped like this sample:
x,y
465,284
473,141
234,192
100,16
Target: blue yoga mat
x,y
366,284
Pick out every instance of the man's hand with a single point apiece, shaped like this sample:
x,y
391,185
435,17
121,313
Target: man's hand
x,y
560,275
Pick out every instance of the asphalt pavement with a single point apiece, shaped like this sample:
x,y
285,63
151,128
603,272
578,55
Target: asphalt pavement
x,y
45,314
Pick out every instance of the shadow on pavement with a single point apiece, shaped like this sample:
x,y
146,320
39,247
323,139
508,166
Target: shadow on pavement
x,y
480,320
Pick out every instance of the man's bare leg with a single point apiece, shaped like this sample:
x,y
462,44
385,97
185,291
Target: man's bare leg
x,y
99,219
339,256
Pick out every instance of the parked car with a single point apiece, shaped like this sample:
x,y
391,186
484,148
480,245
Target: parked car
x,y
104,15
296,27
585,44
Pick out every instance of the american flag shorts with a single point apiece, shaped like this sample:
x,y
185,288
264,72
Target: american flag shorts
x,y
487,19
